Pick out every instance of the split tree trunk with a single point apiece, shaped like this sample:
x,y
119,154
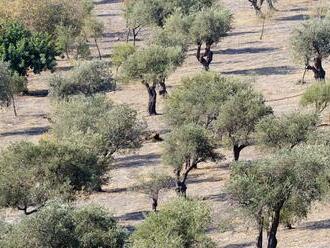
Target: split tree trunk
x,y
206,58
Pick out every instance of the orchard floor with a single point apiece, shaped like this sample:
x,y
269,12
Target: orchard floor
x,y
266,63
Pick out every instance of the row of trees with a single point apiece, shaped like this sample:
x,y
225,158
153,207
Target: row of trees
x,y
174,26
181,223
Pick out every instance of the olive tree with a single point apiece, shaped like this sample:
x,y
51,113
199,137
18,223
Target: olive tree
x,y
285,131
31,174
94,29
207,26
184,149
86,78
317,95
226,106
151,185
10,85
152,66
238,117
290,180
181,223
95,124
60,225
311,41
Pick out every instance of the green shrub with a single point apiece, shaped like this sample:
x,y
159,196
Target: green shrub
x,y
95,124
181,223
87,78
59,225
317,95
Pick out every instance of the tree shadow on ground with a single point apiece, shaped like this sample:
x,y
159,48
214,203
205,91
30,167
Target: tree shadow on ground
x,y
107,2
133,216
251,50
316,225
31,132
241,245
37,93
240,33
221,197
108,15
265,71
134,161
299,17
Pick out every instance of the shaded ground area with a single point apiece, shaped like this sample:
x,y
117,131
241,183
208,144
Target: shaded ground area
x,y
266,64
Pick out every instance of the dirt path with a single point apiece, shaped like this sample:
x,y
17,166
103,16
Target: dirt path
x,y
266,63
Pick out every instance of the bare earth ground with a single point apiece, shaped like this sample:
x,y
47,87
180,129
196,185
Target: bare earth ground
x,y
266,63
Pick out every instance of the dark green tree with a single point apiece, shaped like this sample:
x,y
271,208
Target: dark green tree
x,y
25,50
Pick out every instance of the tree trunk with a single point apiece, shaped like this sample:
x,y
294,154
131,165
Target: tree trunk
x,y
162,91
152,99
134,36
237,152
127,35
154,204
14,105
181,188
261,229
98,48
319,72
272,241
263,27
206,58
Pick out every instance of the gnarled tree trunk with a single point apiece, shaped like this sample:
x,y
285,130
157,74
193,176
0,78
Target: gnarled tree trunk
x,y
272,240
237,151
206,58
319,72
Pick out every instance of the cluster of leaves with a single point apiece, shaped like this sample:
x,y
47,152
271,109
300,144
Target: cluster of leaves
x,y
60,225
181,223
286,131
87,78
31,173
317,95
153,63
95,124
25,50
